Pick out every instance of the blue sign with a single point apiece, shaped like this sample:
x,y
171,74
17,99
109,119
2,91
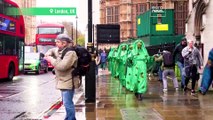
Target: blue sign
x,y
7,25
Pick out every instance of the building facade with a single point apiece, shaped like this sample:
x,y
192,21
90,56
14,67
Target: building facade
x,y
125,12
30,21
199,24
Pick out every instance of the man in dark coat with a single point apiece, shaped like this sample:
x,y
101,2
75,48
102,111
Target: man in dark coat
x,y
179,58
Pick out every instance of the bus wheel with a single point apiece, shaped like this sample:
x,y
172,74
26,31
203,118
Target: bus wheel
x,y
11,72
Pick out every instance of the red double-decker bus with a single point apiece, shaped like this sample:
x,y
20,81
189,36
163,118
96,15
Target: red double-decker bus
x,y
45,37
12,34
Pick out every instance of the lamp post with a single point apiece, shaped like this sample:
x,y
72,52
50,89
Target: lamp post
x,y
76,32
72,30
90,80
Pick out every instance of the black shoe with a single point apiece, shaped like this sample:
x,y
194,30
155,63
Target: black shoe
x,y
136,95
140,97
160,80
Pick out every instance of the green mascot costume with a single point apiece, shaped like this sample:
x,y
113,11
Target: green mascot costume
x,y
140,69
129,64
122,57
109,59
114,71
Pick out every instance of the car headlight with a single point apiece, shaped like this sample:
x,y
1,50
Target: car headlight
x,y
33,66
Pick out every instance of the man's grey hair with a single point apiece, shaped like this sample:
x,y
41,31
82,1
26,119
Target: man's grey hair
x,y
64,37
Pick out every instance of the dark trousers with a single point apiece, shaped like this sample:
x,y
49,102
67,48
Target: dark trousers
x,y
193,75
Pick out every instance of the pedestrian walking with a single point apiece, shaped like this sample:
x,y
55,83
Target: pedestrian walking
x,y
139,70
192,61
97,62
177,55
103,60
207,74
168,69
122,57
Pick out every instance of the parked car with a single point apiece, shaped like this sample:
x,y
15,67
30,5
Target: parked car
x,y
35,62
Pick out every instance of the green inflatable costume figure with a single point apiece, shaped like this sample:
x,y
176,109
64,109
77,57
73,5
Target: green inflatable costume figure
x,y
109,59
129,64
114,72
140,69
122,57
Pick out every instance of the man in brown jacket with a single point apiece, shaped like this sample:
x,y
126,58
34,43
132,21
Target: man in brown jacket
x,y
63,69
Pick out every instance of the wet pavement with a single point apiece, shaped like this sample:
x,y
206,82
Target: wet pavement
x,y
115,103
27,96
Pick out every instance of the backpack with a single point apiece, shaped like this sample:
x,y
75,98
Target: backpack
x,y
84,59
168,59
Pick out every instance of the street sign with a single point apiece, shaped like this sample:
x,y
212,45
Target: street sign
x,y
43,11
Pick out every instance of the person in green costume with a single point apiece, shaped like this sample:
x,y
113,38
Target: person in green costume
x,y
114,72
122,57
109,59
140,69
129,64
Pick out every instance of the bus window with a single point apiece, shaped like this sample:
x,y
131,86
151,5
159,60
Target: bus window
x,y
4,7
1,45
21,55
49,30
10,46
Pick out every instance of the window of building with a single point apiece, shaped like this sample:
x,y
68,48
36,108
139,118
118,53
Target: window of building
x,y
112,15
116,15
109,14
141,8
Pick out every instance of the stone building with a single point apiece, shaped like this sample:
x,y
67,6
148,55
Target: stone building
x,y
30,21
124,12
199,24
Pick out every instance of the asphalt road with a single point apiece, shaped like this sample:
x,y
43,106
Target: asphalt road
x,y
27,96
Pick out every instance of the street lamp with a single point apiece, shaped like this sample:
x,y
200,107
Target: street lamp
x,y
72,30
76,33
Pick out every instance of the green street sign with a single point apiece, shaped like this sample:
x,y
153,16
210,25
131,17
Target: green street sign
x,y
42,11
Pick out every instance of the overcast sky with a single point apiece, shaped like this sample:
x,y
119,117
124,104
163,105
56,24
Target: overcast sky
x,y
81,6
